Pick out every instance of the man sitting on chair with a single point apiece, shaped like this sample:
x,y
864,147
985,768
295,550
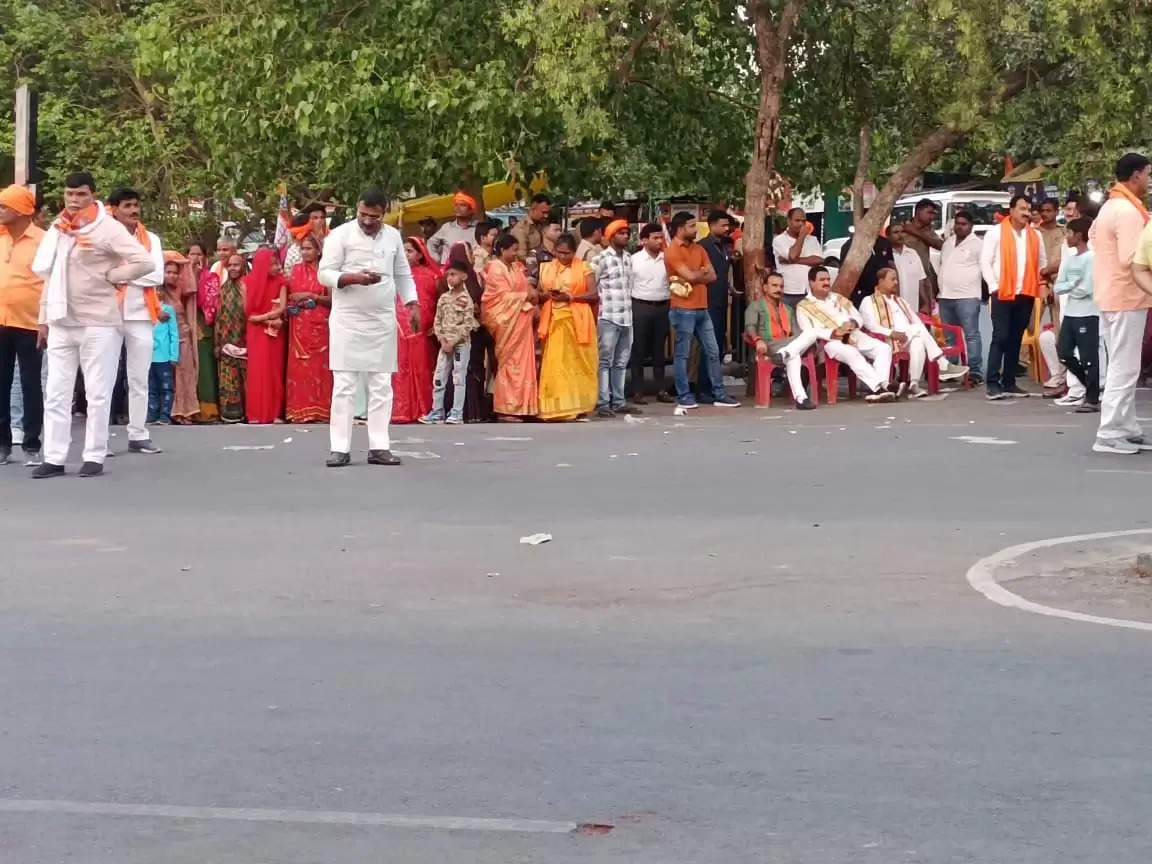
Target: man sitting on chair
x,y
886,313
836,323
772,323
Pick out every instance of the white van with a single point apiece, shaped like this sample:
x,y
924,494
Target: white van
x,y
981,205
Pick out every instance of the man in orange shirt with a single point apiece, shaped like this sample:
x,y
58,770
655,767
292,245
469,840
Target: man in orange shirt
x,y
20,291
689,272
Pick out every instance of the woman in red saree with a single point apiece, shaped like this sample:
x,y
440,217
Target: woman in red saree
x,y
309,381
266,296
507,311
416,352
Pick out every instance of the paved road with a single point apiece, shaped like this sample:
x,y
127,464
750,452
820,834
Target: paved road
x,y
750,641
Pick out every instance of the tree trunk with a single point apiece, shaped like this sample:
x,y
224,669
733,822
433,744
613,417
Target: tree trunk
x,y
928,150
772,38
862,165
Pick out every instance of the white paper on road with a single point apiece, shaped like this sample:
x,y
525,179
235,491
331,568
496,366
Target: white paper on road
x,y
249,447
508,438
536,539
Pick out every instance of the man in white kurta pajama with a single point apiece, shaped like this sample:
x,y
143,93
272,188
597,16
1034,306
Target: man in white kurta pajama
x,y
837,324
364,267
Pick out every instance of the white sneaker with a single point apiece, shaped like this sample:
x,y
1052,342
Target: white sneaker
x,y
1069,401
17,435
917,392
1138,442
1115,446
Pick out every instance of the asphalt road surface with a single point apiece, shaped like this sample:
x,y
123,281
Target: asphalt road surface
x,y
750,640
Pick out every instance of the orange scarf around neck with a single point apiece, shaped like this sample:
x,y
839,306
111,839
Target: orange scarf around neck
x,y
1031,286
66,223
779,323
151,300
1122,191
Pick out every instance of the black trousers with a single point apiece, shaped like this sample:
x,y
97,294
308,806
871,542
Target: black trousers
x,y
1080,335
1010,319
17,343
649,336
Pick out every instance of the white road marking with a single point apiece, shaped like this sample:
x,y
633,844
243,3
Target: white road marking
x,y
1115,471
982,439
508,438
417,454
302,817
249,447
981,576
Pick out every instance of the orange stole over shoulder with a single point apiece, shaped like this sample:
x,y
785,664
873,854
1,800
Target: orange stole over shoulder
x,y
1031,286
779,323
572,279
1122,191
151,300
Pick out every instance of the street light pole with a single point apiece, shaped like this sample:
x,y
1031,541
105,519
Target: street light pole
x,y
27,106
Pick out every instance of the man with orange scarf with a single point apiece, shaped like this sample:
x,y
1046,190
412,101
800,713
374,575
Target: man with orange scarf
x,y
771,321
82,258
1122,277
141,309
462,229
1010,261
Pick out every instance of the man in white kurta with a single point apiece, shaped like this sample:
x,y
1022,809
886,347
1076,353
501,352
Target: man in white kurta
x,y
364,267
837,324
887,313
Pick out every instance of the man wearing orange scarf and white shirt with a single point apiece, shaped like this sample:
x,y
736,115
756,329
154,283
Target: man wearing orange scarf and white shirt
x,y
82,258
1010,261
1122,277
141,308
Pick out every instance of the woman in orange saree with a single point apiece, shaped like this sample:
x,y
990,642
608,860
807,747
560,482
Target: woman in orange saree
x,y
568,369
506,310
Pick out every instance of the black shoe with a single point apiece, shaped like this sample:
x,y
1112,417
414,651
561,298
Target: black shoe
x,y
639,400
382,457
805,405
1016,393
666,398
46,470
1088,408
975,380
628,409
994,393
145,446
606,413
338,460
90,469
5,455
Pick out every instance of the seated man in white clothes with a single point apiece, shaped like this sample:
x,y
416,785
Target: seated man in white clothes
x,y
887,313
836,323
772,323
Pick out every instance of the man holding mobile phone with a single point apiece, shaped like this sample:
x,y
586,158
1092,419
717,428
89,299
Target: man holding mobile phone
x,y
365,267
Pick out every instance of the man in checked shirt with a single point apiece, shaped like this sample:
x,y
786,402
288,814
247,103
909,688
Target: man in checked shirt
x,y
613,269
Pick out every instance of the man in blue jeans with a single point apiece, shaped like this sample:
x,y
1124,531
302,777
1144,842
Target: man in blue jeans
x,y
961,289
689,273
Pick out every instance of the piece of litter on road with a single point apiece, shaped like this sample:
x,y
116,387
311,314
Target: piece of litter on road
x,y
749,452
288,440
749,440
185,568
666,432
773,417
981,439
935,397
563,464
889,418
407,440
417,454
249,447
971,422
629,419
791,431
843,428
493,574
613,456
457,443
508,438
881,427
679,411
536,539
633,454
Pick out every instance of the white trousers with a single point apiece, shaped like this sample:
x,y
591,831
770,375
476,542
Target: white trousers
x,y
921,348
794,362
1123,333
875,374
138,342
1057,374
95,351
344,386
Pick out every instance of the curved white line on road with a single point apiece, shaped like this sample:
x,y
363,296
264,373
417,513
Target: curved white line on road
x,y
981,577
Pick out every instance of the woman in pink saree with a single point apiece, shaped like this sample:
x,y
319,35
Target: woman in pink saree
x,y
507,310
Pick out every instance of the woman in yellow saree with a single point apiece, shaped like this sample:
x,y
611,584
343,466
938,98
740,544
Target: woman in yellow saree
x,y
568,383
506,310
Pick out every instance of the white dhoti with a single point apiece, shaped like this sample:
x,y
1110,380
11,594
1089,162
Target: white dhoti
x,y
1057,374
870,359
793,354
96,352
344,386
1123,333
138,346
921,349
